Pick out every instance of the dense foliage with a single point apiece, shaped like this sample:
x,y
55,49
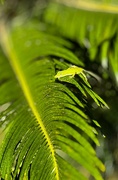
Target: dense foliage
x,y
50,127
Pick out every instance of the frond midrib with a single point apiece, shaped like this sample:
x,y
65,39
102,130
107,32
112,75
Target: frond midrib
x,y
93,6
7,45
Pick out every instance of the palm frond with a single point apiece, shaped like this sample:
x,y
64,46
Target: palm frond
x,y
94,27
113,57
45,122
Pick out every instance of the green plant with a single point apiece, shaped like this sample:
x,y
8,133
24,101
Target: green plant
x,y
46,123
